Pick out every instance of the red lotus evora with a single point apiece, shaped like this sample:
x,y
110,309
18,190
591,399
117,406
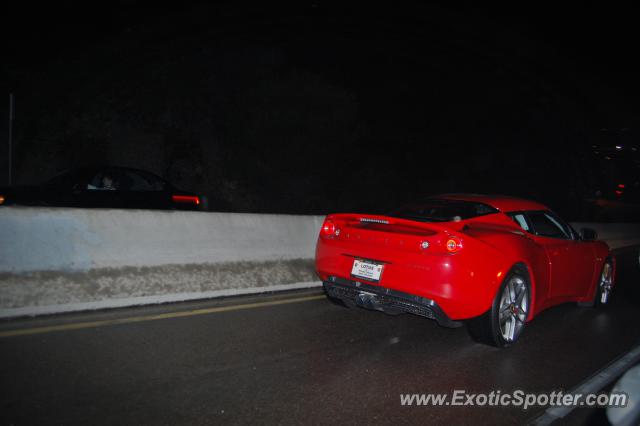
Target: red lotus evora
x,y
493,261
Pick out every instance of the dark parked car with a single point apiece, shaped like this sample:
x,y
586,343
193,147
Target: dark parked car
x,y
106,187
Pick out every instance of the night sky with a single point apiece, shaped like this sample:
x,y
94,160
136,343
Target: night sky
x,y
313,107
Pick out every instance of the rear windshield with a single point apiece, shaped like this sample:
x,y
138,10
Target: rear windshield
x,y
437,210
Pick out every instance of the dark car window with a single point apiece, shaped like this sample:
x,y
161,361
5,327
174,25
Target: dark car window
x,y
105,180
521,220
547,224
143,181
125,180
438,210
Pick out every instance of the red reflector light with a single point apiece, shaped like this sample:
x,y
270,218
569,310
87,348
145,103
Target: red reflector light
x,y
453,245
189,199
329,229
620,185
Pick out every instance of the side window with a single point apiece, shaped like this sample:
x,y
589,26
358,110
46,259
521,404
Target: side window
x,y
520,220
143,182
568,230
548,225
103,180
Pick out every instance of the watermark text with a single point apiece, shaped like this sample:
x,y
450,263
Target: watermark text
x,y
517,398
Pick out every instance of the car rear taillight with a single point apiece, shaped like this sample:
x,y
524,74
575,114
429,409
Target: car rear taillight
x,y
453,245
186,199
1,200
329,229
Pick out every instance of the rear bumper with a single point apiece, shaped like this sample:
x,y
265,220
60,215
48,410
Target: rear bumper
x,y
386,300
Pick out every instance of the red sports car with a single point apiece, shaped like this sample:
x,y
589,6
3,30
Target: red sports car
x,y
493,261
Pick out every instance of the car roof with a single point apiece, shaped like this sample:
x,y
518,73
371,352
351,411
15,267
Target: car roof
x,y
501,202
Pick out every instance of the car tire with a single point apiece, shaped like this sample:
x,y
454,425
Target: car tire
x,y
605,284
504,322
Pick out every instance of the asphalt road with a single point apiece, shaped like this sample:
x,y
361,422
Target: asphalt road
x,y
291,359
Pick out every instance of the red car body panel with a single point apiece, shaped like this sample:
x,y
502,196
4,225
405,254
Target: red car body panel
x,y
463,283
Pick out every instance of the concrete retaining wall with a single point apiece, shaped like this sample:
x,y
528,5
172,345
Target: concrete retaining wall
x,y
617,235
60,260
82,240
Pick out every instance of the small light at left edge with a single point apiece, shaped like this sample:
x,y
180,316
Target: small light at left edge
x,y
1,199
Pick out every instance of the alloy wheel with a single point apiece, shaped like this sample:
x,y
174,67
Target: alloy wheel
x,y
514,308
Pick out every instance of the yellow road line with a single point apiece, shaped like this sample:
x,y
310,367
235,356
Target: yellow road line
x,y
168,315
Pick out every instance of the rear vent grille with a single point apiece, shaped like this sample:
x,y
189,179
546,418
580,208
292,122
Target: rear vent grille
x,y
369,220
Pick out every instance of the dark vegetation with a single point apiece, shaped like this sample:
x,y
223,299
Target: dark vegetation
x,y
316,108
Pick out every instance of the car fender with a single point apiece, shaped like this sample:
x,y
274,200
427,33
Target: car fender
x,y
519,250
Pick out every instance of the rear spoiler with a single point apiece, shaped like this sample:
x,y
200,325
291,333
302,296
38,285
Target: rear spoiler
x,y
445,236
432,227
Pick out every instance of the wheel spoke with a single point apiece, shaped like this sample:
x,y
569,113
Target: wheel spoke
x,y
506,294
504,303
521,295
512,328
503,324
605,283
504,315
524,303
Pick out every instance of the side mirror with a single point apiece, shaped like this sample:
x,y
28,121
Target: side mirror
x,y
588,234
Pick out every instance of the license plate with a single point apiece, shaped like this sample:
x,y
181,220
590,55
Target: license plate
x,y
367,270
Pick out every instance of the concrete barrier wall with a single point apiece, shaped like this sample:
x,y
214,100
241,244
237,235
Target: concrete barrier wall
x,y
60,260
37,239
617,235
